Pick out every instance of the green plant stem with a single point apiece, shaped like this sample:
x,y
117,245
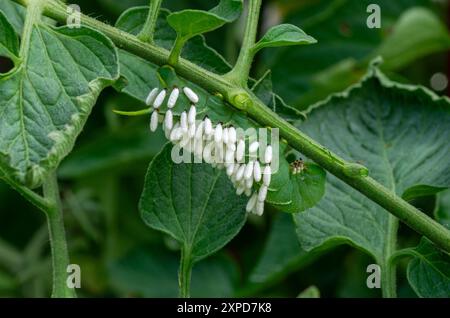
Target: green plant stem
x,y
148,31
57,235
241,71
403,253
214,83
184,274
175,53
388,269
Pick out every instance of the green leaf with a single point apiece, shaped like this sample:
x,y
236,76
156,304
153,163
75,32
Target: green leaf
x,y
284,35
189,23
429,271
47,97
196,50
293,193
429,35
310,292
153,273
400,133
193,203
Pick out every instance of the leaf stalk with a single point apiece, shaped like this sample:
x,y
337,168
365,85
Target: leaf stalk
x,y
57,235
147,33
241,71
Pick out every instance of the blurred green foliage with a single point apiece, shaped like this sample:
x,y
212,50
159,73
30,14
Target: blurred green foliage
x,y
102,179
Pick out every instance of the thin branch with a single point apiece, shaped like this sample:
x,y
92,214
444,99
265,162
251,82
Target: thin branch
x,y
241,71
148,31
58,244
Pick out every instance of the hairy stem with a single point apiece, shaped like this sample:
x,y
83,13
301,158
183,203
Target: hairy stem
x,y
175,54
148,31
388,269
214,83
241,71
58,244
184,274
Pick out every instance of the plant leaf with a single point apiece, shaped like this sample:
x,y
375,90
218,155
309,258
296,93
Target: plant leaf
x,y
284,35
293,193
193,203
399,132
189,23
47,97
429,272
196,50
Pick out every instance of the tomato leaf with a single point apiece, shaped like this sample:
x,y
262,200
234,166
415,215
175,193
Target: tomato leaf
x,y
429,271
284,35
189,23
400,132
46,99
293,193
196,50
193,203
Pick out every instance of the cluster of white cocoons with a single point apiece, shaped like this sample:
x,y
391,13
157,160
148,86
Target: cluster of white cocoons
x,y
217,145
